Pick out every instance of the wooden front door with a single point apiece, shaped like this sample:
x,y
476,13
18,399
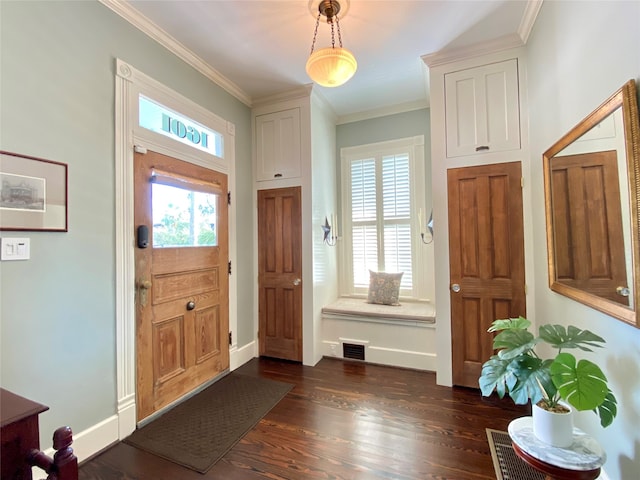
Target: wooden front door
x,y
182,285
486,255
280,273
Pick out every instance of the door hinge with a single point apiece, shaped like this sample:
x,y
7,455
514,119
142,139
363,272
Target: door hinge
x,y
228,198
230,338
526,290
229,267
521,182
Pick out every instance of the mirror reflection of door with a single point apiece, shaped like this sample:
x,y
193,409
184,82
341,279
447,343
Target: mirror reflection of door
x,y
600,240
182,304
587,224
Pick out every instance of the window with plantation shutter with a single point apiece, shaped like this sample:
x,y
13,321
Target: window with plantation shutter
x,y
380,202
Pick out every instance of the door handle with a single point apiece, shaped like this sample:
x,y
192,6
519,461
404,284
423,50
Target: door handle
x,y
143,288
296,282
191,305
624,291
455,288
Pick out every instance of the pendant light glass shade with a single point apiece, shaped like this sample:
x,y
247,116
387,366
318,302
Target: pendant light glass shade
x,y
331,66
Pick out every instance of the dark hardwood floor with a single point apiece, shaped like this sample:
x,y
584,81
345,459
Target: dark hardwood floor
x,y
345,420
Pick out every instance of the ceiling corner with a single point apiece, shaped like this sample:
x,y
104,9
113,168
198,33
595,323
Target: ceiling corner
x,y
142,23
529,18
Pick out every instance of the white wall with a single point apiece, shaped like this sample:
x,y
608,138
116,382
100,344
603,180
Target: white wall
x,y
579,53
324,203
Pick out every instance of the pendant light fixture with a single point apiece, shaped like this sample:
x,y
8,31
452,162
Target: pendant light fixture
x,y
331,66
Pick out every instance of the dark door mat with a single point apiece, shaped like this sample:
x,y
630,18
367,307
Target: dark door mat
x,y
199,431
507,464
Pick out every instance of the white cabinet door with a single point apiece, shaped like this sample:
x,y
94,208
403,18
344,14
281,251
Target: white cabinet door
x,y
482,109
278,145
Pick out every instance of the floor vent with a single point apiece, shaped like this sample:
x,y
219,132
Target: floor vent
x,y
351,350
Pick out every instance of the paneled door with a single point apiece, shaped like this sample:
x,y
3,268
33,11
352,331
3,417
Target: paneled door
x,y
182,284
587,224
280,273
486,256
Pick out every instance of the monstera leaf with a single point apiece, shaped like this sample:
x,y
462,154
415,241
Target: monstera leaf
x,y
608,410
513,343
572,337
495,376
519,323
521,378
583,385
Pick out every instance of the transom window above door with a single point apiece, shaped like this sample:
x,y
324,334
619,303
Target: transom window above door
x,y
160,119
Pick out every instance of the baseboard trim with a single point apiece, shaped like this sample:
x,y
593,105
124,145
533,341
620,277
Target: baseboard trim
x,y
240,356
401,358
126,416
385,356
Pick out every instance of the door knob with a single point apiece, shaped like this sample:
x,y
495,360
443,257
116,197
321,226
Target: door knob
x,y
296,282
143,286
455,288
191,305
624,291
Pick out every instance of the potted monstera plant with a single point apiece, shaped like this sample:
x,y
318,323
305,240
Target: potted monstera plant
x,y
554,385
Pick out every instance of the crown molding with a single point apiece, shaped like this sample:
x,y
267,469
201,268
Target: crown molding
x,y
296,93
147,27
323,103
383,112
505,42
529,18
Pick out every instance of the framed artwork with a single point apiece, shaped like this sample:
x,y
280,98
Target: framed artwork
x,y
33,193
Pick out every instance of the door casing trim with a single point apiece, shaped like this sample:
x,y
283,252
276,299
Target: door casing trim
x,y
129,82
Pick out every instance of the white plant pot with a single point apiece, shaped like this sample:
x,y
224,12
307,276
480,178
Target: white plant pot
x,y
553,428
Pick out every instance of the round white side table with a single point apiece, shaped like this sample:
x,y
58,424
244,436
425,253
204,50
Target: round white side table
x,y
580,461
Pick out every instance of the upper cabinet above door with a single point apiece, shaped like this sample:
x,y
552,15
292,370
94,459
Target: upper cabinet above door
x,y
278,147
482,109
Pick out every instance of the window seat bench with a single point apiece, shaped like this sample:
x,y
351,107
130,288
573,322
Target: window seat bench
x,y
360,310
402,335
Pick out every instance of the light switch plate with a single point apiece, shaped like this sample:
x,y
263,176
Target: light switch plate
x,y
12,248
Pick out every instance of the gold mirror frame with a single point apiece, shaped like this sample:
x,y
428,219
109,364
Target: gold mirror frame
x,y
626,99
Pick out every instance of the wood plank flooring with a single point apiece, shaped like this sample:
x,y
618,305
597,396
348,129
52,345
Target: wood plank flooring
x,y
344,420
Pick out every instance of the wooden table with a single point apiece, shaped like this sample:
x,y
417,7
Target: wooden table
x,y
580,461
19,434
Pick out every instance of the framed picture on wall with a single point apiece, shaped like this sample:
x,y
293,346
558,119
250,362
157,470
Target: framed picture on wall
x,y
33,193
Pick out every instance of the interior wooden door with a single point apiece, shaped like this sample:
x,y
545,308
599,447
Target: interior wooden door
x,y
587,224
182,285
486,255
280,273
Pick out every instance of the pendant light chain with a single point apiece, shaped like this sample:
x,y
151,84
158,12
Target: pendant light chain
x,y
338,26
333,38
315,33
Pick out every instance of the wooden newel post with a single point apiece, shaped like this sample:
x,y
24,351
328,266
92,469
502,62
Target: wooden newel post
x,y
64,465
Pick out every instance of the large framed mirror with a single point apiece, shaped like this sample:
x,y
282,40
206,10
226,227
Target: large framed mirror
x,y
592,197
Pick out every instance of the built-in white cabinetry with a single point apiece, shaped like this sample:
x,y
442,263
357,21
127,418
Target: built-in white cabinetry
x,y
482,109
278,148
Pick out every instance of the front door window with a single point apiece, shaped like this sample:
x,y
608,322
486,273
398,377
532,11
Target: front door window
x,y
183,217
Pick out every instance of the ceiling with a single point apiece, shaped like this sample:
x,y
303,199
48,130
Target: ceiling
x,y
255,49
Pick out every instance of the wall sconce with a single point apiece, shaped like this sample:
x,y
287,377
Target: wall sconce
x,y
429,226
330,231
